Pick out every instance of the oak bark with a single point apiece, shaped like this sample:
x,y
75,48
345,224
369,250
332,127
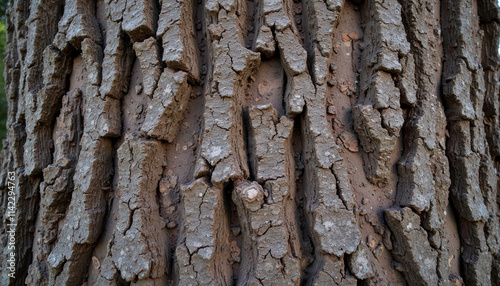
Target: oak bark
x,y
252,142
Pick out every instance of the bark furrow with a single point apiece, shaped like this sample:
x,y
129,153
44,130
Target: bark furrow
x,y
473,181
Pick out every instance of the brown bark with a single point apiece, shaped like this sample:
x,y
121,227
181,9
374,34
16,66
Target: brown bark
x,y
252,142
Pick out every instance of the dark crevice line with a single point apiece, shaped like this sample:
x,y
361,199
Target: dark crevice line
x,y
156,14
301,24
458,220
234,222
201,34
173,236
159,40
251,25
307,247
129,52
285,84
30,198
296,12
121,281
249,145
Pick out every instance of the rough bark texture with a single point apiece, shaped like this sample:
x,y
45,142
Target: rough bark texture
x,y
252,142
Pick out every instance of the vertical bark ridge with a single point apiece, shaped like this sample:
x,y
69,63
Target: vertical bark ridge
x,y
162,91
70,256
45,83
64,156
489,17
277,29
12,157
328,192
148,54
176,29
138,249
378,117
166,109
32,118
223,144
474,185
271,249
202,256
489,23
423,166
56,189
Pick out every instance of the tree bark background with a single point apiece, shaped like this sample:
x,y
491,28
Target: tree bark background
x,y
252,142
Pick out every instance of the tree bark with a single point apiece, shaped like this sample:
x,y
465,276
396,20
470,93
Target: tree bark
x,y
251,142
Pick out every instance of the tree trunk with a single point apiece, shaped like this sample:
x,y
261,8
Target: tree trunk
x,y
251,142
